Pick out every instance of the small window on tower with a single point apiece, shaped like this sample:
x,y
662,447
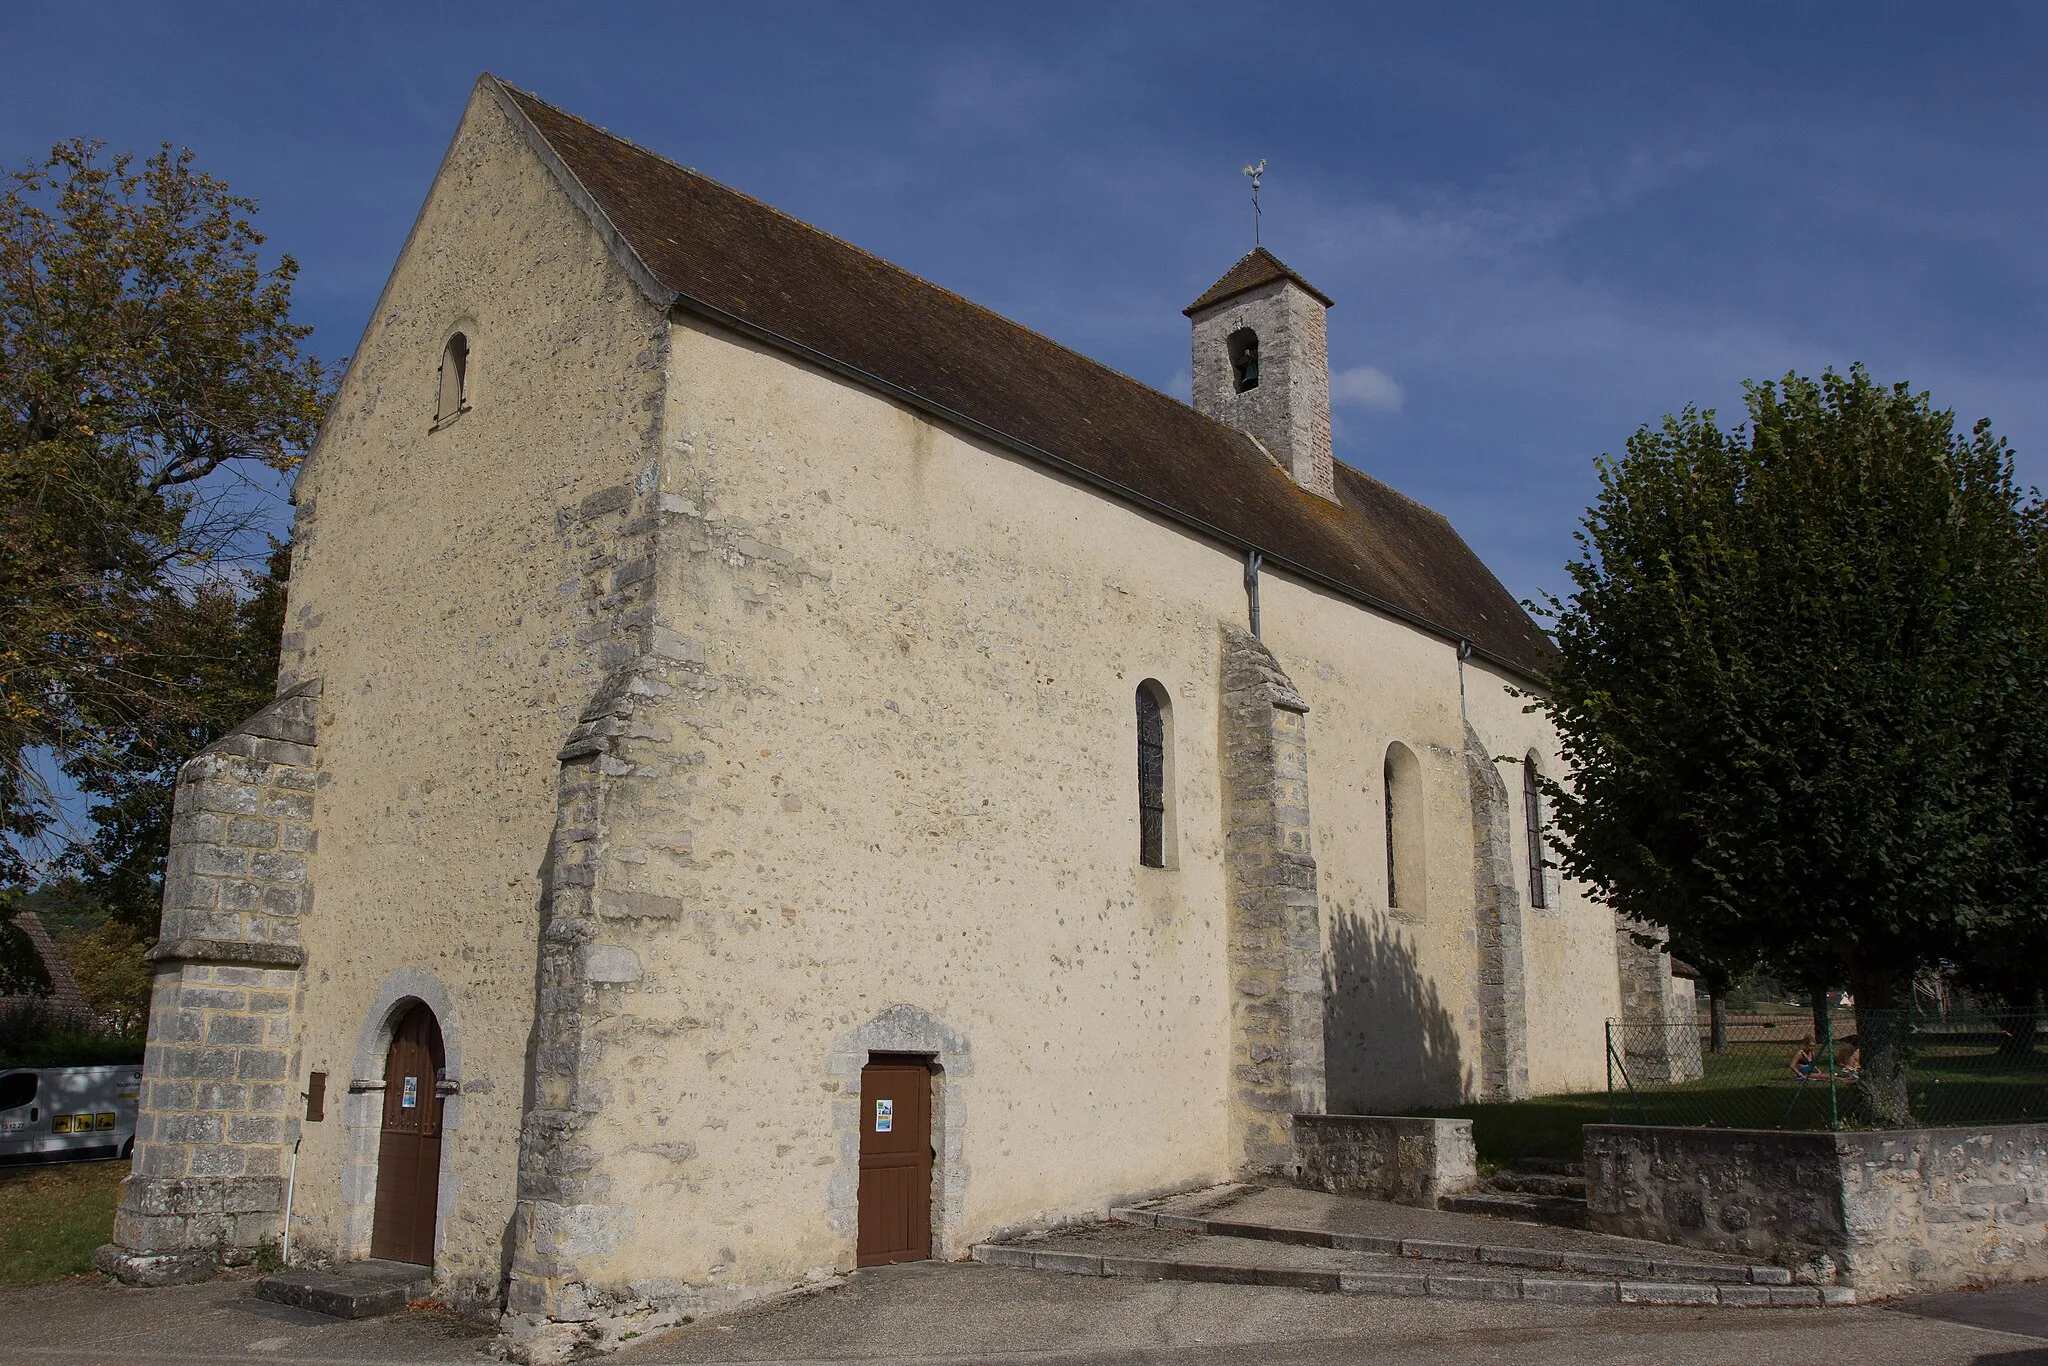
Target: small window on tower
x,y
1244,358
454,379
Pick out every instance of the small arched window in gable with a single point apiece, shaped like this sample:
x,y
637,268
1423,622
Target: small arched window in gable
x,y
1155,736
1407,880
1542,892
454,379
1244,359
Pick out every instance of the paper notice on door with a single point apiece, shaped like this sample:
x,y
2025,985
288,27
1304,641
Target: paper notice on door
x,y
885,1116
411,1095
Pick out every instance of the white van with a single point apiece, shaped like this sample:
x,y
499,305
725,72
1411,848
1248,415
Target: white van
x,y
56,1114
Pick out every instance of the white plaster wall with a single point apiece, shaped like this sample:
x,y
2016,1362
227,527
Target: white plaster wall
x,y
1573,979
1404,1013
914,785
1402,1019
433,593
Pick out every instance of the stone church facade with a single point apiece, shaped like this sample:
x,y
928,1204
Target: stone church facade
x,y
721,668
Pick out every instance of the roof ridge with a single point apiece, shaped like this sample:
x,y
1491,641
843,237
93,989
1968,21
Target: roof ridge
x,y
879,260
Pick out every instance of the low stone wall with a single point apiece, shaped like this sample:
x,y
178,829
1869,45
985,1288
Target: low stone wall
x,y
1386,1157
1888,1212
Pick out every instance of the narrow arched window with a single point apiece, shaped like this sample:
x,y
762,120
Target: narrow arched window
x,y
1244,359
1401,780
454,378
1154,829
1532,818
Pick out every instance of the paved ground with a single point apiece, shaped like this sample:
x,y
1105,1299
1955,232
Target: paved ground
x,y
957,1314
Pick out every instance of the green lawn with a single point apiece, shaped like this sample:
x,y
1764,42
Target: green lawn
x,y
51,1218
1952,1080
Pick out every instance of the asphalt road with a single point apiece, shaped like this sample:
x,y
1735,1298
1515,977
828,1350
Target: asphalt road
x,y
955,1314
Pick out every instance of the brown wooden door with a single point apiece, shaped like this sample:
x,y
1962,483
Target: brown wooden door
x,y
895,1162
409,1151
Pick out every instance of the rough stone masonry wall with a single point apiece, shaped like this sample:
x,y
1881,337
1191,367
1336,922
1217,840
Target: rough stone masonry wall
x,y
1381,1157
215,1115
1276,977
1497,911
1886,1212
1288,411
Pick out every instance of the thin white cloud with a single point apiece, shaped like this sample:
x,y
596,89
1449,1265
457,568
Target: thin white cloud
x,y
1367,386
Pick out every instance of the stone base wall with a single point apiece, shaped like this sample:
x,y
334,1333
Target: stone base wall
x,y
1893,1212
1383,1157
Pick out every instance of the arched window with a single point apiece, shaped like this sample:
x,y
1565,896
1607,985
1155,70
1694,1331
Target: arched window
x,y
1533,818
1244,358
454,379
1155,736
1545,885
1407,880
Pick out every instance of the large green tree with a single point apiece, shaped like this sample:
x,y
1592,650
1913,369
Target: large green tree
x,y
147,358
215,649
1799,683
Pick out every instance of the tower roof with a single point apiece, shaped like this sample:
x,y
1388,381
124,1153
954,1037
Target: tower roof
x,y
1256,267
703,249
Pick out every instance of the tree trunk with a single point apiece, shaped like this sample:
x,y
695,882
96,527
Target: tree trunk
x,y
1819,996
1717,1023
1883,1033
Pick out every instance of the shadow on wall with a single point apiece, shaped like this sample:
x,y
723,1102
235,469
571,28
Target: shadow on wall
x,y
1389,1045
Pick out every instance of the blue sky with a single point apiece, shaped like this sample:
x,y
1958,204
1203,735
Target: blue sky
x,y
1543,225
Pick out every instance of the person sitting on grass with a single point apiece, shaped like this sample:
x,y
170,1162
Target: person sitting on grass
x,y
1851,1067
1806,1060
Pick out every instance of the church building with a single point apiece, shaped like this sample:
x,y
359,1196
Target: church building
x,y
778,768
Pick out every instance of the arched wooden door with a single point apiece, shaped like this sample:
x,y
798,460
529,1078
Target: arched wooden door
x,y
409,1150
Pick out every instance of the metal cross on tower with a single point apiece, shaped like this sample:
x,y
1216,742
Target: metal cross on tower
x,y
1256,172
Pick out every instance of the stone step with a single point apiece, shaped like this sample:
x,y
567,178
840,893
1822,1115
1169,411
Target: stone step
x,y
353,1290
1563,1211
1538,1183
1640,1265
1165,1254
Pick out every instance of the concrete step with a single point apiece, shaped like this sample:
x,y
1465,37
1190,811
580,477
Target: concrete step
x,y
1449,1271
1630,1260
1560,1210
353,1290
1538,1183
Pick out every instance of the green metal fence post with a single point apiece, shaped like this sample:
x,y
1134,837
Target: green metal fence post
x,y
1610,1071
1828,1024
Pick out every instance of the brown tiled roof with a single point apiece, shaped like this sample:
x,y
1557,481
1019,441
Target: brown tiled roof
x,y
1256,267
734,260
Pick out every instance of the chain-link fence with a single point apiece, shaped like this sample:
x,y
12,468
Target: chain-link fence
x,y
1846,1070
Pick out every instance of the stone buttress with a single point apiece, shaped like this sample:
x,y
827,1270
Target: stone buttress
x,y
1276,944
215,1120
1497,909
625,759
1658,1034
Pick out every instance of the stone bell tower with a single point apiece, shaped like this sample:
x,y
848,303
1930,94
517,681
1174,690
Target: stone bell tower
x,y
1262,364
